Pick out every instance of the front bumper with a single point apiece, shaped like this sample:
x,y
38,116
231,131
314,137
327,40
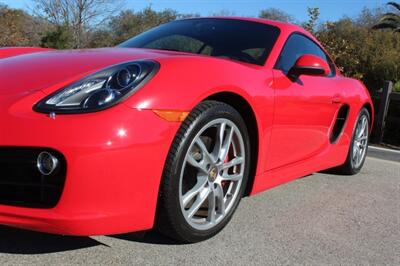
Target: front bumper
x,y
114,163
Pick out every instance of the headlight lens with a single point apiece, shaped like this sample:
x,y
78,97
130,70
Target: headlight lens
x,y
100,90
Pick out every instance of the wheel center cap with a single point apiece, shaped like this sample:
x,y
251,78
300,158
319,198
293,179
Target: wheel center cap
x,y
212,175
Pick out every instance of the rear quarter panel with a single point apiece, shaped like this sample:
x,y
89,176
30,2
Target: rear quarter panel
x,y
357,96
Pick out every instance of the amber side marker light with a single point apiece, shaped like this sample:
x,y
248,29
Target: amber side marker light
x,y
171,116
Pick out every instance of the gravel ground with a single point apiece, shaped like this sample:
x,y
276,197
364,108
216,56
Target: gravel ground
x,y
320,219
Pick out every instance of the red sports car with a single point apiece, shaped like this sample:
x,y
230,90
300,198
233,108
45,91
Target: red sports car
x,y
171,128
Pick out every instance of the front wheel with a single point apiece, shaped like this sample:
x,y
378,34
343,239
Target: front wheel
x,y
205,174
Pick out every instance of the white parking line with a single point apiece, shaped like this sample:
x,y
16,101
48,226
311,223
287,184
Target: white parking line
x,y
383,149
383,160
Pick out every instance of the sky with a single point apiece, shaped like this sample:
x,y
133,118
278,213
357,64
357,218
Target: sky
x,y
330,9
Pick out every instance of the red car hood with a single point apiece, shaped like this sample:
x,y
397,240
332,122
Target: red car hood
x,y
50,70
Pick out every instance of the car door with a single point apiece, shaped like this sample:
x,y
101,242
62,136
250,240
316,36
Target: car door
x,y
304,108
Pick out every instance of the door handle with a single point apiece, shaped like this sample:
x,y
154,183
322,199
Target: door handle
x,y
336,99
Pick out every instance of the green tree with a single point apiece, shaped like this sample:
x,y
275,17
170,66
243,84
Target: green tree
x,y
18,28
337,38
129,23
313,14
60,38
369,17
362,53
396,86
390,20
76,16
100,38
276,14
223,13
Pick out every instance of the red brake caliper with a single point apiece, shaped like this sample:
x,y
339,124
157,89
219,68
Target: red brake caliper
x,y
225,183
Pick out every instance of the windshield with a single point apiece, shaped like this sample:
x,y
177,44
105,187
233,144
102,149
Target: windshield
x,y
245,41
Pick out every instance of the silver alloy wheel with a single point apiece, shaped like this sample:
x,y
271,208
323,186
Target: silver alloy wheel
x,y
360,143
212,174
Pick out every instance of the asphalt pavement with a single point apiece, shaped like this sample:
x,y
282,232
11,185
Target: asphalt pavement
x,y
321,219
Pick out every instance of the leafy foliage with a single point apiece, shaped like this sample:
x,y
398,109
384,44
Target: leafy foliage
x,y
360,52
129,23
73,18
313,14
276,14
19,28
390,20
60,37
396,86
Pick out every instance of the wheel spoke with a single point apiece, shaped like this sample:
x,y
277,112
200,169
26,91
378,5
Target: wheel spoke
x,y
233,162
360,155
362,127
357,158
211,207
363,138
355,150
201,166
220,199
359,132
226,145
206,155
201,198
233,178
365,123
219,139
200,185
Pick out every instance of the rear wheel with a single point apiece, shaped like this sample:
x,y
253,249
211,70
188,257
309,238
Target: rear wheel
x,y
205,174
358,146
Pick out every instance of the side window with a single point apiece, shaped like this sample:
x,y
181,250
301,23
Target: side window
x,y
256,53
296,46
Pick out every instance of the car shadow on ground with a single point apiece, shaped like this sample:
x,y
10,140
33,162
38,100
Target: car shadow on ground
x,y
16,241
24,242
148,237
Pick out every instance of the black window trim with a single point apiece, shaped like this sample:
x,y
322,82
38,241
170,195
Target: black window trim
x,y
332,75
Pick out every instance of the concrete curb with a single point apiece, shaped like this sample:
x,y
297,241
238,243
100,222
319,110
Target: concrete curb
x,y
383,153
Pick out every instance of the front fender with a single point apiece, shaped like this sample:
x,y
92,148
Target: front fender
x,y
184,82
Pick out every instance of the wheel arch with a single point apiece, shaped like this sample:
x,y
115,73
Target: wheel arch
x,y
246,111
370,110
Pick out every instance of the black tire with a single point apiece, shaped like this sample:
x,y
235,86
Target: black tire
x,y
169,219
348,168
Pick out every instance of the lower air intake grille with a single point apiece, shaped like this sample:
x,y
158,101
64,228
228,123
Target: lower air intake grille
x,y
22,184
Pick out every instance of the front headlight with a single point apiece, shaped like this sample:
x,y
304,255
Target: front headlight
x,y
100,90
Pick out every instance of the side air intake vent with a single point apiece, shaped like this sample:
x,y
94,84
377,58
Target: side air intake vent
x,y
339,123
